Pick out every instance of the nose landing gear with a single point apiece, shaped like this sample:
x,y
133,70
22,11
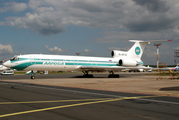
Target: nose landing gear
x,y
33,75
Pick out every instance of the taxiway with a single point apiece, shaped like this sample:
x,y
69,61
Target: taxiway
x,y
23,98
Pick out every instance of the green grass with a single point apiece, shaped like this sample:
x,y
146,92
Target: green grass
x,y
19,72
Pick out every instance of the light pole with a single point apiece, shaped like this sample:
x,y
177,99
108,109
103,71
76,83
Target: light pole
x,y
157,44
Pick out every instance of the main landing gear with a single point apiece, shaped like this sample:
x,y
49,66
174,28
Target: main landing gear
x,y
112,75
86,75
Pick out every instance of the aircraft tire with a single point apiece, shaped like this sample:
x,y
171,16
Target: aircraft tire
x,y
88,76
32,77
91,76
113,76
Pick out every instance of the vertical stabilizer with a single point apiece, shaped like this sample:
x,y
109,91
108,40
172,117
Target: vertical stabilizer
x,y
137,49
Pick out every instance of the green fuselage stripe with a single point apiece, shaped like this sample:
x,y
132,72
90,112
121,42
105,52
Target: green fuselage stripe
x,y
25,62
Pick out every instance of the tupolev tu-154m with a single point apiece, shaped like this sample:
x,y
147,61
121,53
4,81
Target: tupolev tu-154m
x,y
120,60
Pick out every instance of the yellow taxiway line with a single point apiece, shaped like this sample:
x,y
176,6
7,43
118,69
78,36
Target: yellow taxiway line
x,y
32,102
72,105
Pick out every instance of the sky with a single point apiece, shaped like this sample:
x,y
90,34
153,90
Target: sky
x,y
88,27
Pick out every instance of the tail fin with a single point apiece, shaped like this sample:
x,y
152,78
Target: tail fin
x,y
137,49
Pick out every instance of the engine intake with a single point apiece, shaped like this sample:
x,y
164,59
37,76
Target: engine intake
x,y
117,53
127,63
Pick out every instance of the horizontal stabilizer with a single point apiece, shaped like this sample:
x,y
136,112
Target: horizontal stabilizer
x,y
137,49
148,42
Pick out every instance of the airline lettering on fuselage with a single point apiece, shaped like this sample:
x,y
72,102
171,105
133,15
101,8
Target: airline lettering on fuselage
x,y
122,54
53,63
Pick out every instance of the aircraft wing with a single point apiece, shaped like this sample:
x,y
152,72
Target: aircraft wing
x,y
110,68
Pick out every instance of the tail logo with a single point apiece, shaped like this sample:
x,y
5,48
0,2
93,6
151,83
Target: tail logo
x,y
137,50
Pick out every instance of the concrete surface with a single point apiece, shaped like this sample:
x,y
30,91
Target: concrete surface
x,y
141,83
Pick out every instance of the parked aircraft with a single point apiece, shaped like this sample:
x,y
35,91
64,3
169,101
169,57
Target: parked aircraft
x,y
120,60
171,68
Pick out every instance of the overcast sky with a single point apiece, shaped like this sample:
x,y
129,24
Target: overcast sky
x,y
89,27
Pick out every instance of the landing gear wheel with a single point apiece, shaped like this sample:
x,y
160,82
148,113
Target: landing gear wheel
x,y
32,77
113,76
88,76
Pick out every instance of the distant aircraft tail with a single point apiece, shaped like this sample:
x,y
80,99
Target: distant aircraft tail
x,y
137,49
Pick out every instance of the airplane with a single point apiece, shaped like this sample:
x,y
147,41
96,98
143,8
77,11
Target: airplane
x,y
171,68
177,67
120,60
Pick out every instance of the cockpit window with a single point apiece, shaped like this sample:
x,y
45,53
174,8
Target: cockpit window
x,y
14,58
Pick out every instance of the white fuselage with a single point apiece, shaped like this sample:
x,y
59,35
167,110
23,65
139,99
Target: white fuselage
x,y
58,62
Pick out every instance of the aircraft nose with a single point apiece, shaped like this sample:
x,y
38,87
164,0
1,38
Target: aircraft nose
x,y
7,63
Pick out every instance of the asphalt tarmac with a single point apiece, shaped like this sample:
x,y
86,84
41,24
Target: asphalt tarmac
x,y
20,101
66,75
